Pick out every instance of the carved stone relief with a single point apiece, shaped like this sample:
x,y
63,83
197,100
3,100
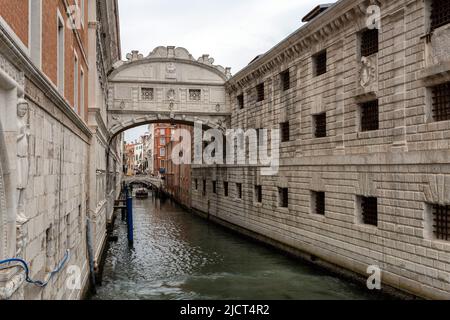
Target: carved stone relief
x,y
368,74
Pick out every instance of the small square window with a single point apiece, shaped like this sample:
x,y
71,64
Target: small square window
x,y
368,210
441,222
285,132
258,194
320,125
441,102
283,197
285,80
147,94
195,94
260,94
318,203
320,63
240,101
214,185
369,42
440,13
239,190
225,188
370,116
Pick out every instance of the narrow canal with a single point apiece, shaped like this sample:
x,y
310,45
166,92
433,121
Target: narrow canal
x,y
178,256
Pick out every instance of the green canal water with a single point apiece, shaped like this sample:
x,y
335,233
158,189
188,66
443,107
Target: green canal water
x,y
179,256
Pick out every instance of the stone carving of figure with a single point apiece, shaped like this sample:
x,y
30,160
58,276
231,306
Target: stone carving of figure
x,y
22,158
368,72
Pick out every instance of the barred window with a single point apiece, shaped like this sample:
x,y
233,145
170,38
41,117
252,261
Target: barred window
x,y
440,13
369,42
318,202
441,102
320,124
195,94
239,190
285,80
204,187
225,188
369,210
260,95
283,197
441,222
196,184
240,101
320,63
285,132
370,116
214,187
147,94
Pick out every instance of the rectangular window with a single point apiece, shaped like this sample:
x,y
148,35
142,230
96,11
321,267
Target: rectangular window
x,y
162,141
214,185
285,80
285,132
369,116
82,97
440,13
35,32
60,54
239,190
283,197
147,94
162,132
240,101
196,184
320,125
260,94
76,85
318,203
441,102
204,187
195,94
162,152
369,210
369,42
258,194
225,188
441,222
320,63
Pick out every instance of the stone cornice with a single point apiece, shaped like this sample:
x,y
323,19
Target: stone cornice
x,y
21,60
329,22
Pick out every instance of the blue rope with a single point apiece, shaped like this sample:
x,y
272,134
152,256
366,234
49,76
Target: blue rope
x,y
26,268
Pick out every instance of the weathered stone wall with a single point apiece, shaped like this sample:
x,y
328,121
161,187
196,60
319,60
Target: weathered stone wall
x,y
404,163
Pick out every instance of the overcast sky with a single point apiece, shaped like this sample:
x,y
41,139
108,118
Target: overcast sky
x,y
233,32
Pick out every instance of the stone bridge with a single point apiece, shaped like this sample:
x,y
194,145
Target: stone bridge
x,y
155,182
168,85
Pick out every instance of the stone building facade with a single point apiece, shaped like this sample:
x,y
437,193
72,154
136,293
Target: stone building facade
x,y
364,171
59,168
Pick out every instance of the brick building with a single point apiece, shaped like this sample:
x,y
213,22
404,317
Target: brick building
x,y
162,134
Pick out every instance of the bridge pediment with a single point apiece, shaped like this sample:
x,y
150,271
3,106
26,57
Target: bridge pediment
x,y
167,85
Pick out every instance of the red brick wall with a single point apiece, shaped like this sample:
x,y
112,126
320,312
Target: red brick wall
x,y
15,13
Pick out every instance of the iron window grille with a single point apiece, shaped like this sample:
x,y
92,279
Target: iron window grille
x,y
225,189
239,190
240,101
204,187
147,94
441,222
214,187
258,194
283,197
369,42
195,94
319,203
260,94
320,63
285,80
370,116
196,184
285,132
440,13
369,210
441,102
320,122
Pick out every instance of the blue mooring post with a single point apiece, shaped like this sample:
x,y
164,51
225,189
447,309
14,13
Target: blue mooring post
x,y
130,219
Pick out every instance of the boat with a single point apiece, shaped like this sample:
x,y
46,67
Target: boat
x,y
141,194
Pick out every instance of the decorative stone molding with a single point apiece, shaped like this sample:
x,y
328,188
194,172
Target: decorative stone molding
x,y
440,46
365,185
368,74
437,189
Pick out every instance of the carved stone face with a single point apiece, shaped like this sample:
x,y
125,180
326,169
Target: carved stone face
x,y
22,109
